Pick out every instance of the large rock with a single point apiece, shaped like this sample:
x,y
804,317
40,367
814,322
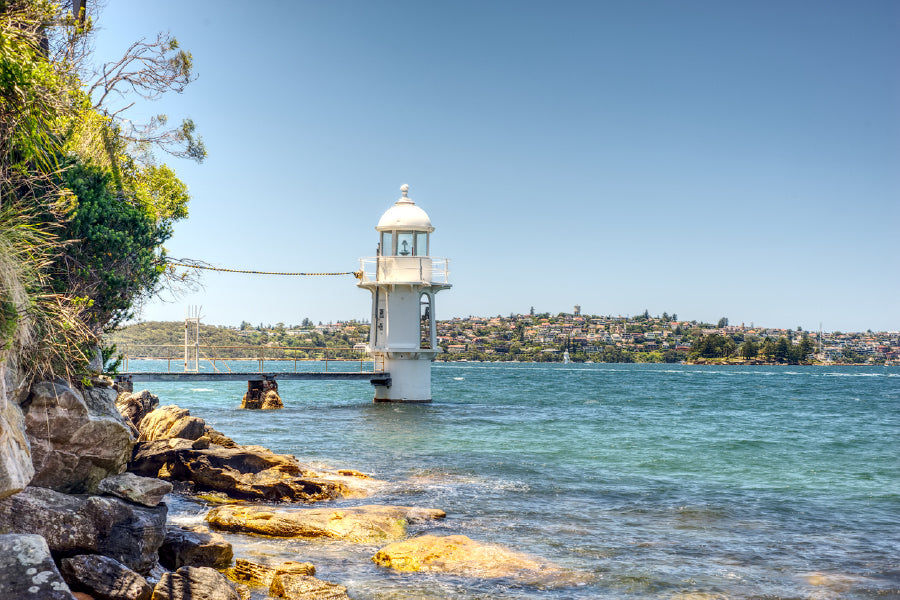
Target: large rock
x,y
75,443
304,587
72,525
194,547
135,406
169,422
27,570
16,468
148,491
259,575
104,578
247,472
359,524
194,583
460,555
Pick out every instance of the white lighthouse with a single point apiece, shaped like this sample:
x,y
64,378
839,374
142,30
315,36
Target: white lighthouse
x,y
404,280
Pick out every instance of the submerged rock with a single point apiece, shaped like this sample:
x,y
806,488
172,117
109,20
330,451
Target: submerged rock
x,y
460,555
355,524
104,578
27,570
194,547
305,587
148,491
73,525
194,583
76,439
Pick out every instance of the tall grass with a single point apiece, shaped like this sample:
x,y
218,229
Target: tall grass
x,y
44,329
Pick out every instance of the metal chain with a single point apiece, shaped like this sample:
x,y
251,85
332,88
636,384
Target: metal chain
x,y
208,268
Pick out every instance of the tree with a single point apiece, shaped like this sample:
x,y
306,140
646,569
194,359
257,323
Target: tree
x,y
713,346
723,322
804,348
782,350
749,349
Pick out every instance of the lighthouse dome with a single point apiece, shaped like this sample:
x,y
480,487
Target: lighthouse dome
x,y
405,215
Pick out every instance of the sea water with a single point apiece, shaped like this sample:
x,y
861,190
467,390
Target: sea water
x,y
638,481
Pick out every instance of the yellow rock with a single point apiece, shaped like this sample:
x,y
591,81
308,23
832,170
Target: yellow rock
x,y
262,575
460,555
355,524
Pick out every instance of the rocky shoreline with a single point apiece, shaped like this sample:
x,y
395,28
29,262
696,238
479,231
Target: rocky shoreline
x,y
83,479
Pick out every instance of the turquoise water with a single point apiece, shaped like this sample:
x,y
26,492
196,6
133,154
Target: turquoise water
x,y
642,481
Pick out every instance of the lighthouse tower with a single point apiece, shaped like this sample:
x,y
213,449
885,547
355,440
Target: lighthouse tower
x,y
404,279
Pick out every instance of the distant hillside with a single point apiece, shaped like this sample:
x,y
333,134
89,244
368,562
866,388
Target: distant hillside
x,y
172,332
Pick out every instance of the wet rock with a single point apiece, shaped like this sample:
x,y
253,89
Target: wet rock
x,y
194,547
355,524
16,468
169,422
135,406
104,578
219,439
75,443
304,587
262,395
259,575
27,570
460,555
269,400
248,472
73,525
194,583
148,491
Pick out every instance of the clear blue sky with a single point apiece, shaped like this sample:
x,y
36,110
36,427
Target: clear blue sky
x,y
737,159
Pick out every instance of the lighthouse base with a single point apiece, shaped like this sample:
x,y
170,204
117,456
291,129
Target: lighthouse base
x,y
378,400
410,378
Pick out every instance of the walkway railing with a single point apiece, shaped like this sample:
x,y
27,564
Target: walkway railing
x,y
218,357
405,269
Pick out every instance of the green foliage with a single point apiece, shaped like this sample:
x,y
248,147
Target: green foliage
x,y
112,255
112,358
84,211
9,321
713,346
749,349
31,89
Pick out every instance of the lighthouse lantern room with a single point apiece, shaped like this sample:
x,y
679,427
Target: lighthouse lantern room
x,y
404,279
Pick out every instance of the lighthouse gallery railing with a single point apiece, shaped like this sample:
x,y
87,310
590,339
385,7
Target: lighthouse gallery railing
x,y
405,269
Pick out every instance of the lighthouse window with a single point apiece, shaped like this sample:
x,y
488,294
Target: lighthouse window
x,y
405,243
421,244
387,239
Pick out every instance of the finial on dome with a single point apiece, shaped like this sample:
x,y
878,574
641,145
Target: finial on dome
x,y
405,199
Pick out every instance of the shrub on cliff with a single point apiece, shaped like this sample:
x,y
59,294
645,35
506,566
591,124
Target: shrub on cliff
x,y
84,206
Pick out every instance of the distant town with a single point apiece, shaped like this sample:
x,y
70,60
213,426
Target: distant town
x,y
545,337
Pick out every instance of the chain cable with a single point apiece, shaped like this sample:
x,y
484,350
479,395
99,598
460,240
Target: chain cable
x,y
357,274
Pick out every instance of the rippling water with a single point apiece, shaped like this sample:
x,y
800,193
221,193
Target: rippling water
x,y
643,481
